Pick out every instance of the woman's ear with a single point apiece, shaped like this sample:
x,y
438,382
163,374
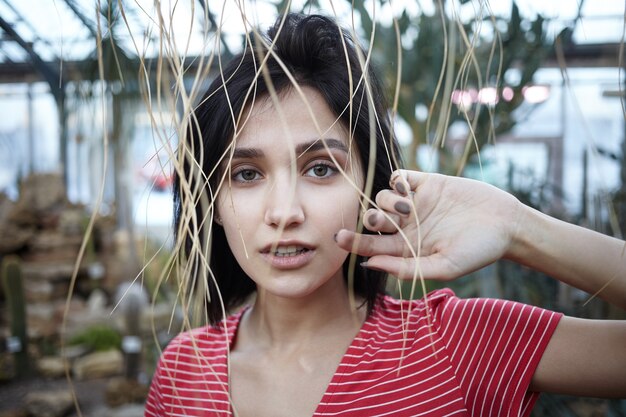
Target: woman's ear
x,y
217,219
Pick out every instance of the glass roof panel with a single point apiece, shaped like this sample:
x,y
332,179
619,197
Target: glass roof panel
x,y
65,28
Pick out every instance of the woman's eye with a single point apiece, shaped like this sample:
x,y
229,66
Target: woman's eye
x,y
320,171
246,175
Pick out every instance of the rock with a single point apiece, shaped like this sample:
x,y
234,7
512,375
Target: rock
x,y
589,407
76,309
42,292
48,270
97,301
14,413
51,366
93,313
160,316
7,367
6,206
79,320
14,238
41,192
123,263
99,364
50,240
49,403
123,391
71,221
75,351
128,410
41,320
38,291
23,217
104,233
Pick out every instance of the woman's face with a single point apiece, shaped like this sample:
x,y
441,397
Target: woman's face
x,y
284,197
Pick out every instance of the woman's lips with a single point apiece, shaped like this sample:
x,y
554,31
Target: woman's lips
x,y
292,260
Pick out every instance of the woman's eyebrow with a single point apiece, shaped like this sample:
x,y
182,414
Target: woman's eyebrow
x,y
247,153
320,144
301,149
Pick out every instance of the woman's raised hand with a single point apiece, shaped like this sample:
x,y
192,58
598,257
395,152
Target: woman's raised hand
x,y
436,226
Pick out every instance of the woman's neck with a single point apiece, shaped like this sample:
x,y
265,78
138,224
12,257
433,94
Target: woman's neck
x,y
290,323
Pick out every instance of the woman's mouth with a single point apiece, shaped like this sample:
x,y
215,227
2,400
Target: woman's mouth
x,y
290,256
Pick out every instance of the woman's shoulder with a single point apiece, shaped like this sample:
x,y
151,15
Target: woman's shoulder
x,y
194,358
431,301
442,308
210,338
395,316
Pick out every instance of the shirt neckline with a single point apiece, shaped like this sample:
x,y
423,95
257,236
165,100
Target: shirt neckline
x,y
335,379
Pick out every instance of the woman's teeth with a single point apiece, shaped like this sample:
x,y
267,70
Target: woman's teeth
x,y
289,251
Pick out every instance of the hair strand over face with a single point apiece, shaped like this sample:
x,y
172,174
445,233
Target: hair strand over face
x,y
312,51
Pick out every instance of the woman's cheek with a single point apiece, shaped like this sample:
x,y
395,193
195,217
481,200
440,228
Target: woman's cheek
x,y
346,201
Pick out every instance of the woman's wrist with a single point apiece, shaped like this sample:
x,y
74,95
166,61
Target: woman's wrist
x,y
527,233
579,257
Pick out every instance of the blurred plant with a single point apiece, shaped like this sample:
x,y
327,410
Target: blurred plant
x,y
16,305
444,60
98,338
472,71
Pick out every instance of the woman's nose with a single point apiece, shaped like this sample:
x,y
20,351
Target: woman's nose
x,y
283,205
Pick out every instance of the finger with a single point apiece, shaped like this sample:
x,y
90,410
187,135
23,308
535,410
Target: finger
x,y
404,181
433,267
381,221
391,202
369,245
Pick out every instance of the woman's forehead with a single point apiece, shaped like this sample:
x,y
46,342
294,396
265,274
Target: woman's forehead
x,y
294,116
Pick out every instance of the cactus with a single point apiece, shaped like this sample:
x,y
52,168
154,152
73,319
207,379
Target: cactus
x,y
131,344
16,304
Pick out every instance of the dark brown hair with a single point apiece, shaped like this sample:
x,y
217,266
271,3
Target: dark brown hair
x,y
318,54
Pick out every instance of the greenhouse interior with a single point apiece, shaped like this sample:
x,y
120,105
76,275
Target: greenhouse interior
x,y
95,96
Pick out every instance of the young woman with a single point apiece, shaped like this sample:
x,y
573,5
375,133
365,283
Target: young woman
x,y
283,159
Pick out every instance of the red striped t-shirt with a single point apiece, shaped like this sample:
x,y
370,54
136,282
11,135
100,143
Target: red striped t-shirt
x,y
444,357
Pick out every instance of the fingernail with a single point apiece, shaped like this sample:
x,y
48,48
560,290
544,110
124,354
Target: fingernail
x,y
402,207
372,219
371,268
400,188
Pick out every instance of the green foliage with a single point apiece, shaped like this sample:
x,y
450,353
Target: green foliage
x,y
435,54
14,292
98,338
439,54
